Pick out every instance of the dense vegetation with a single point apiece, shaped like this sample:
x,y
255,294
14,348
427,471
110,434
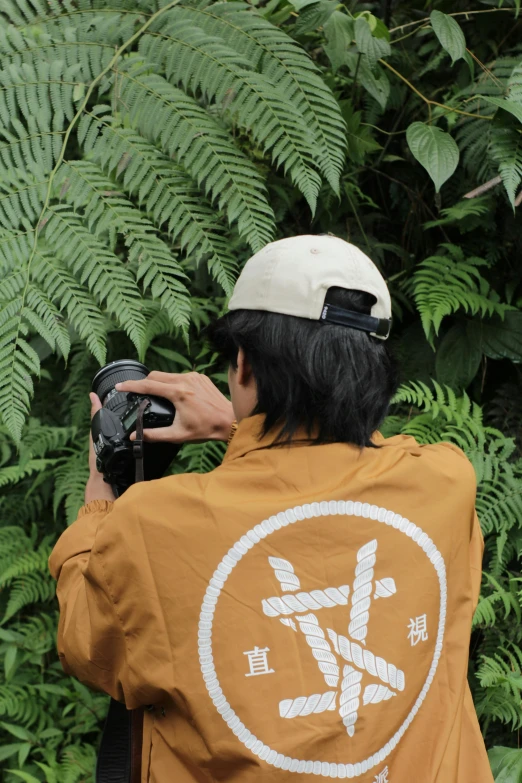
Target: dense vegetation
x,y
146,149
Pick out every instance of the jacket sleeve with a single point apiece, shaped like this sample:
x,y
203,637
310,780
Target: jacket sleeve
x,y
111,634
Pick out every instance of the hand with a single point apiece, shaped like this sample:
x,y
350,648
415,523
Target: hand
x,y
96,488
202,412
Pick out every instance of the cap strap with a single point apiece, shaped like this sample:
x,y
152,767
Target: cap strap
x,y
378,327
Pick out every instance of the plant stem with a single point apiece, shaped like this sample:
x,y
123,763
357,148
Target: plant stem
x,y
457,13
428,101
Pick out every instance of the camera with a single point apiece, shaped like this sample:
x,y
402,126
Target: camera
x,y
113,424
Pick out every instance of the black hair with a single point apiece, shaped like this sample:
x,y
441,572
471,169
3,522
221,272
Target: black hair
x,y
334,381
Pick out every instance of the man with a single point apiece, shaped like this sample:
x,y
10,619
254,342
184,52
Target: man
x,y
303,610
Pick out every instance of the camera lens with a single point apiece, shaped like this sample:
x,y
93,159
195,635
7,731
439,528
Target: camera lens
x,y
116,372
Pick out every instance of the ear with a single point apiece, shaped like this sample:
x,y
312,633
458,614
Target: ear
x,y
244,370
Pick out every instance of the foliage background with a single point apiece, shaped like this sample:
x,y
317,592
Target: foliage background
x,y
143,159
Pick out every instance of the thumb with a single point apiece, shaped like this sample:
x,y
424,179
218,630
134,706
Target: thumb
x,y
95,403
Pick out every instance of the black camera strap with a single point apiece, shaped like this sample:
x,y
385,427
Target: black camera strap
x,y
119,757
137,447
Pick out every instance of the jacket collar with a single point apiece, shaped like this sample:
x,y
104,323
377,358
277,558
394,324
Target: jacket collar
x,y
248,438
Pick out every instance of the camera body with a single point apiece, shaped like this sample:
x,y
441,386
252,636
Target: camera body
x,y
113,424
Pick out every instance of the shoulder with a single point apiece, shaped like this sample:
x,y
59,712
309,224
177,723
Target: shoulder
x,y
161,490
444,457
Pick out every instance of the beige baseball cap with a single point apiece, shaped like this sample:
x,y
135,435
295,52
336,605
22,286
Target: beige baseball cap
x,y
291,276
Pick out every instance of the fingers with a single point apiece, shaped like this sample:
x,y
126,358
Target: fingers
x,y
159,435
170,390
95,403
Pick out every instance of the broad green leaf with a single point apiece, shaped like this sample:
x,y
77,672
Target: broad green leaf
x,y
374,81
449,33
374,48
339,34
380,30
435,149
458,358
500,338
300,4
512,107
506,764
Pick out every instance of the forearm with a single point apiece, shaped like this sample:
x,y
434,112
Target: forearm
x,y
90,640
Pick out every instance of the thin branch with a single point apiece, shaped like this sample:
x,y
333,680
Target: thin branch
x,y
429,102
483,188
518,200
486,70
381,130
467,14
408,35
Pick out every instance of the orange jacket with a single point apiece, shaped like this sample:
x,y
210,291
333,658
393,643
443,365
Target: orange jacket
x,y
301,611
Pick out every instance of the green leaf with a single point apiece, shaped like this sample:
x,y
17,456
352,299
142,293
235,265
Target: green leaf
x,y
374,48
25,776
435,149
450,35
506,764
506,151
500,338
339,34
173,356
512,107
78,92
359,137
10,660
6,751
300,4
17,731
375,81
380,30
458,358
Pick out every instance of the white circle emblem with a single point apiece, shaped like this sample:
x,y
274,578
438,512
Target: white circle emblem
x,y
223,571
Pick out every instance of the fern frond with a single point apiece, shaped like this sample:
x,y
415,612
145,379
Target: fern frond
x,y
502,681
95,266
204,65
70,480
38,439
165,190
34,147
444,284
106,209
64,289
30,589
506,150
18,362
444,402
201,457
22,195
486,614
202,146
515,84
45,88
284,63
46,320
12,474
27,563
